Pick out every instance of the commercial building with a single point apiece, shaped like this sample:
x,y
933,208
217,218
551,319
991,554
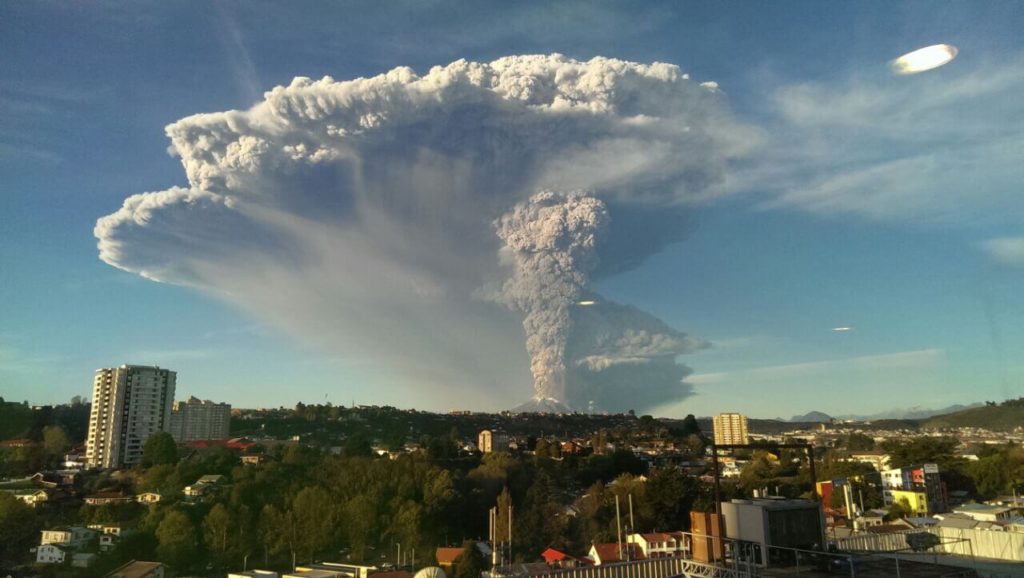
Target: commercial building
x,y
198,419
731,428
768,528
129,404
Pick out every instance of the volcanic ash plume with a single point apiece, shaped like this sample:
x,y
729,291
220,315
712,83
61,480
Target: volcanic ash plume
x,y
552,239
363,217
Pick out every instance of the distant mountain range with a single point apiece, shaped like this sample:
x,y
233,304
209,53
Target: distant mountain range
x,y
916,412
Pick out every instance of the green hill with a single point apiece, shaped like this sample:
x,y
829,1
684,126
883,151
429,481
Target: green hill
x,y
1002,417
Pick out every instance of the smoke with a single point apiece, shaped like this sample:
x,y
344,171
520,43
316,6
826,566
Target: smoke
x,y
553,242
396,220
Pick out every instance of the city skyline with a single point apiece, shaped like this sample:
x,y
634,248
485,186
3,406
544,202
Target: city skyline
x,y
861,250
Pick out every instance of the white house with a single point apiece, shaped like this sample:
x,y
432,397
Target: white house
x,y
659,544
51,554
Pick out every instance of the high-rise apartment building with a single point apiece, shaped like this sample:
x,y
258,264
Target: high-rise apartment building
x,y
731,428
129,404
197,419
488,441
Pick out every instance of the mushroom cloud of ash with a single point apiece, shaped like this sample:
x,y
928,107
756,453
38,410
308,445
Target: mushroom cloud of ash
x,y
424,222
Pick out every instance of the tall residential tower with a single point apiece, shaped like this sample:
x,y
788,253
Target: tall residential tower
x,y
197,419
129,404
731,428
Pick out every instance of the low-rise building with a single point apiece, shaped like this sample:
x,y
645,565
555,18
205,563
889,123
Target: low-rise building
x,y
104,498
51,554
72,536
659,544
612,552
985,512
30,497
774,524
138,569
204,485
83,559
148,498
253,459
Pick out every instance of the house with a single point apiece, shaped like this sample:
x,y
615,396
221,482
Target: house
x,y
446,556
610,553
875,517
253,459
108,535
148,498
558,559
103,498
659,544
31,497
51,554
203,485
253,574
16,443
138,569
72,536
878,459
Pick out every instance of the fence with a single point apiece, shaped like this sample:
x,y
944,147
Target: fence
x,y
654,568
1004,546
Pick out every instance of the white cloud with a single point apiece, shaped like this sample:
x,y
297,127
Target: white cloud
x,y
940,147
1006,250
918,359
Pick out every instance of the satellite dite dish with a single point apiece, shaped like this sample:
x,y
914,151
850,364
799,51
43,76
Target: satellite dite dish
x,y
923,59
430,572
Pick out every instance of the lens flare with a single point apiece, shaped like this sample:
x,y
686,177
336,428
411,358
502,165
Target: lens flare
x,y
927,58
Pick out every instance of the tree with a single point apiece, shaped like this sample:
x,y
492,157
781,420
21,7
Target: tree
x,y
55,441
669,496
313,520
923,450
176,540
160,449
216,527
18,527
471,562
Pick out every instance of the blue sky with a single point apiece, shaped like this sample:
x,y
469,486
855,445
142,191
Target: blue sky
x,y
887,204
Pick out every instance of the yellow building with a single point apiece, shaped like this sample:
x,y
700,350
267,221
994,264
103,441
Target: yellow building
x,y
916,502
731,428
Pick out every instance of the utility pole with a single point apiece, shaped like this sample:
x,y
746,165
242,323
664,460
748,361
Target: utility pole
x,y
618,526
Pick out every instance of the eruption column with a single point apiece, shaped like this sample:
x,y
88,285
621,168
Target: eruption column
x,y
553,240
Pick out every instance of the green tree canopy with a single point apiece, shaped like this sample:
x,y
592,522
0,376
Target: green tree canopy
x,y
471,562
160,449
176,541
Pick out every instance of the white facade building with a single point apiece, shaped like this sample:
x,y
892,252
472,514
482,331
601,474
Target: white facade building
x,y
129,404
198,419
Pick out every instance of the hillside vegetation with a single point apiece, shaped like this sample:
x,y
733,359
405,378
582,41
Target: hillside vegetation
x,y
999,417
